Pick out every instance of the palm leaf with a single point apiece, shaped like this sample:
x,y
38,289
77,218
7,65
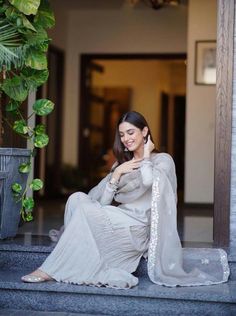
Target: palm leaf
x,y
12,48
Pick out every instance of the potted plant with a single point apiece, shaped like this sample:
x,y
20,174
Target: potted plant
x,y
23,68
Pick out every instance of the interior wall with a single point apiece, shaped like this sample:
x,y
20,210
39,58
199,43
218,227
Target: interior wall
x,y
58,33
200,119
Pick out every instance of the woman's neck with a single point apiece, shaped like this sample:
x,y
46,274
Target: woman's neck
x,y
138,154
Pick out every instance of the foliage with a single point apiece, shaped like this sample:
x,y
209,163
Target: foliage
x,y
23,68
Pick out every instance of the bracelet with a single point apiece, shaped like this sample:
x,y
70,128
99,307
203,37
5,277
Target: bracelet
x,y
113,185
114,182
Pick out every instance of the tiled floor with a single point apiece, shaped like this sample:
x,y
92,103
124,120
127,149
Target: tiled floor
x,y
195,224
48,214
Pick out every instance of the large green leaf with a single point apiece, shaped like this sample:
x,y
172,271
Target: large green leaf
x,y
43,107
20,127
12,106
26,6
15,88
44,16
41,140
36,38
34,78
36,59
18,18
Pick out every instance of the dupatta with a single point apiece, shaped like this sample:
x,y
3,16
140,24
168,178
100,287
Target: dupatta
x,y
168,263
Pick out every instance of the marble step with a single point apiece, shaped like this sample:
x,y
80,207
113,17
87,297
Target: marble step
x,y
18,312
145,299
19,256
18,252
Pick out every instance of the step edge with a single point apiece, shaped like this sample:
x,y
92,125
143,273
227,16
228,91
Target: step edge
x,y
90,290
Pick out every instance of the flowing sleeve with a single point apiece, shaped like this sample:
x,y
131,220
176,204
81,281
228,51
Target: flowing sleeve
x,y
168,263
104,192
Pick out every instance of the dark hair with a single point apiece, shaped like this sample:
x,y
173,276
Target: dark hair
x,y
135,119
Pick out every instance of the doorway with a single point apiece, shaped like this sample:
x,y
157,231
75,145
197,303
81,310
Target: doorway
x,y
112,85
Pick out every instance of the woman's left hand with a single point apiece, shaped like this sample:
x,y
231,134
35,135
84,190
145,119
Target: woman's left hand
x,y
148,148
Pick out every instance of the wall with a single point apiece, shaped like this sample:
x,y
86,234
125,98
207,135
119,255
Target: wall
x,y
200,119
58,33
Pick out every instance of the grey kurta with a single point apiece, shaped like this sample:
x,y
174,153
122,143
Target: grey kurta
x,y
102,244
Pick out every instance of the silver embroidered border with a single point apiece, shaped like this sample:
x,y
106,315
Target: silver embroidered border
x,y
225,265
155,232
155,239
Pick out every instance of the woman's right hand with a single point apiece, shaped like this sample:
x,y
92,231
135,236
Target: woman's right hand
x,y
126,167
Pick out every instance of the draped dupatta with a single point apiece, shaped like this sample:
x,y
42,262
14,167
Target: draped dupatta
x,y
168,263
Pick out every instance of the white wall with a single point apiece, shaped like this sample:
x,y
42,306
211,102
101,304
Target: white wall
x,y
199,167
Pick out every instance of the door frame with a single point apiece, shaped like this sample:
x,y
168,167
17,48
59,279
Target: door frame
x,y
223,125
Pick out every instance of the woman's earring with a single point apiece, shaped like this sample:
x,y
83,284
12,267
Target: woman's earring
x,y
126,149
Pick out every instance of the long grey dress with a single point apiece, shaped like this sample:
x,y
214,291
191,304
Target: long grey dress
x,y
102,244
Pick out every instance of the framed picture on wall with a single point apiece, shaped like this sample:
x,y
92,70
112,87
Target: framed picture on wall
x,y
205,62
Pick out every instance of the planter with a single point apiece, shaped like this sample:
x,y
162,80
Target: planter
x,y
10,159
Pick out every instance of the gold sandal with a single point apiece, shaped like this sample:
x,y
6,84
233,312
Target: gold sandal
x,y
30,278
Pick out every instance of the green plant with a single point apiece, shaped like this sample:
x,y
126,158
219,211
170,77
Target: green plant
x,y
23,67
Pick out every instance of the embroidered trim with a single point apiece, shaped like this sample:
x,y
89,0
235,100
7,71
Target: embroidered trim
x,y
225,266
155,231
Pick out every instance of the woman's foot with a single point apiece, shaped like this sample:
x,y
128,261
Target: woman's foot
x,y
36,277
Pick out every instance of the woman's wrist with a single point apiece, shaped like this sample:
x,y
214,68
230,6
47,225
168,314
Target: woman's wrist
x,y
146,155
115,176
114,181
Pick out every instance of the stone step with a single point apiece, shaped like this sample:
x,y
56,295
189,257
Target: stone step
x,y
31,257
19,257
145,299
17,312
16,253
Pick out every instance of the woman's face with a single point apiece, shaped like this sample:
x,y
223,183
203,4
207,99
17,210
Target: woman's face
x,y
131,136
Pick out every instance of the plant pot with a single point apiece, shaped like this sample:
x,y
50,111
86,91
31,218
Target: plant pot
x,y
10,159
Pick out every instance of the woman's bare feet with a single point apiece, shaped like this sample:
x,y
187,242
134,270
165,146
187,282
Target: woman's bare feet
x,y
36,277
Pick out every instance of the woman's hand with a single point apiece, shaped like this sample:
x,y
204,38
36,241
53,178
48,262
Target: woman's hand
x,y
148,148
126,167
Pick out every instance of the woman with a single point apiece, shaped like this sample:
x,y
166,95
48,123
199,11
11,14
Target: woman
x,y
102,244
